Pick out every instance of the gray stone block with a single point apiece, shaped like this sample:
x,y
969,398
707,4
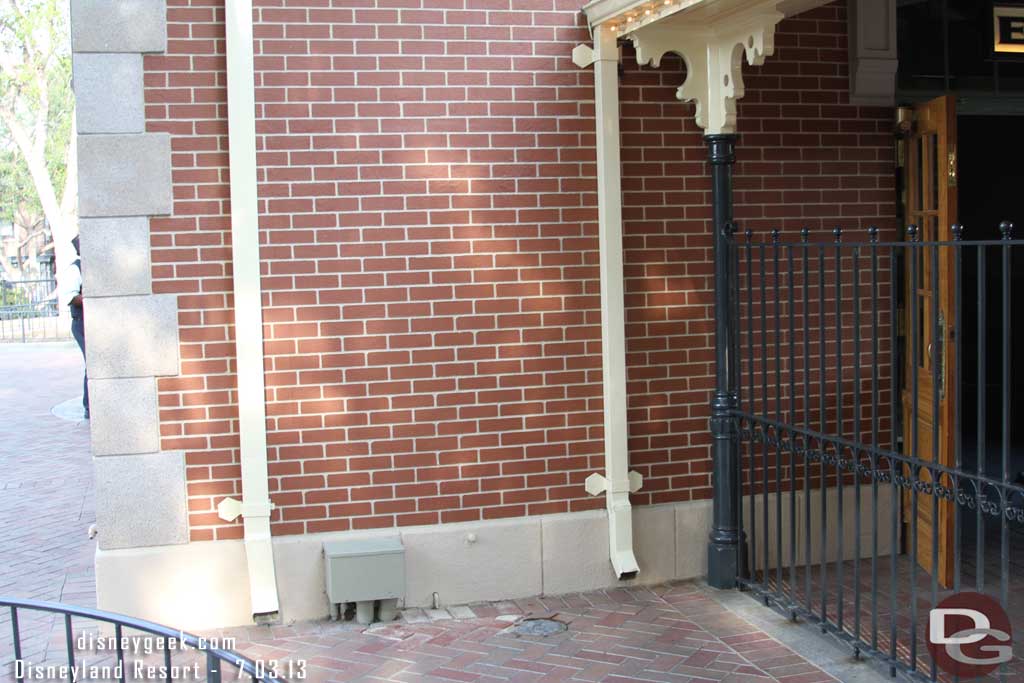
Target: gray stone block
x,y
131,336
693,524
141,500
124,175
575,552
115,256
108,93
118,25
655,538
125,419
493,560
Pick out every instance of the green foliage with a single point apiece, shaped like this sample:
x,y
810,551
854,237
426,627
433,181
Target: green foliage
x,y
16,188
35,89
11,295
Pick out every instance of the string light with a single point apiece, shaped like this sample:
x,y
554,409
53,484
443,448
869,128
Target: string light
x,y
639,17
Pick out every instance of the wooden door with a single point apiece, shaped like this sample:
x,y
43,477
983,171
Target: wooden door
x,y
931,201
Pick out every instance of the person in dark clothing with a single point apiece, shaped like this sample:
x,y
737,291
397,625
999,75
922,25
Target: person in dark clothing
x,y
71,296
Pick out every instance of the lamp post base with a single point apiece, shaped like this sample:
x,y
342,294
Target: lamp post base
x,y
723,565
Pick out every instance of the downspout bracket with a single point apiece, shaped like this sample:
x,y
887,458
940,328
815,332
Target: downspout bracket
x,y
597,484
230,509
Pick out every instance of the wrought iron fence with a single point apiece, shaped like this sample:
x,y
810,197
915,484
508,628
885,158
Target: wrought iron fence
x,y
212,659
877,460
29,311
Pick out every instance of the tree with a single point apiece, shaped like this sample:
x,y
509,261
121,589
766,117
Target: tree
x,y
37,136
20,208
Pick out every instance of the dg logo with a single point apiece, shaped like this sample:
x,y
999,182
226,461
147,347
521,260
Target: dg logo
x,y
969,635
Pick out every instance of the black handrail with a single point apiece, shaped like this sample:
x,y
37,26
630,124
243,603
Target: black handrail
x,y
214,656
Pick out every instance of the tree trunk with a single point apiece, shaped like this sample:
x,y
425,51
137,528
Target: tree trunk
x,y
63,251
61,225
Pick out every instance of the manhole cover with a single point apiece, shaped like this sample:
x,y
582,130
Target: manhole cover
x,y
539,627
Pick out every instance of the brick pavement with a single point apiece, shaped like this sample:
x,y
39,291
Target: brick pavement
x,y
676,633
46,505
855,573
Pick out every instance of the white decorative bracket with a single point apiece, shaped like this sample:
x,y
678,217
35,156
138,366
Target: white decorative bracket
x,y
229,509
583,56
596,484
714,59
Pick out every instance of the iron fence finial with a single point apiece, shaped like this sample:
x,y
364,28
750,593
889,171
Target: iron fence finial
x,y
838,232
958,232
1006,230
912,232
873,233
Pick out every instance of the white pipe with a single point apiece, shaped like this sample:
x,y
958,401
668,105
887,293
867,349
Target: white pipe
x,y
613,324
245,259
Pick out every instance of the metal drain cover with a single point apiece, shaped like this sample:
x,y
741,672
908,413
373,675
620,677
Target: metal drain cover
x,y
539,627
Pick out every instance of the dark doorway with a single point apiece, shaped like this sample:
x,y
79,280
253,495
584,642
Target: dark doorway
x,y
991,190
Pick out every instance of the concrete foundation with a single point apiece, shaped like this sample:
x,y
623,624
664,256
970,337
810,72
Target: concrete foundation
x,y
204,585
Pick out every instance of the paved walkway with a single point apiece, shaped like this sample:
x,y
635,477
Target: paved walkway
x,y
46,503
682,633
675,634
672,634
46,476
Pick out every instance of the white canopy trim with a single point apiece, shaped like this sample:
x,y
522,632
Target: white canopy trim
x,y
710,35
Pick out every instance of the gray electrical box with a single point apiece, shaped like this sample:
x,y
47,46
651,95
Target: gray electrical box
x,y
365,569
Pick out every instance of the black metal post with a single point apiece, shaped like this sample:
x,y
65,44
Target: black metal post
x,y
726,536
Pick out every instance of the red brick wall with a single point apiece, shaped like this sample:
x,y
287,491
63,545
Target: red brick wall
x,y
429,252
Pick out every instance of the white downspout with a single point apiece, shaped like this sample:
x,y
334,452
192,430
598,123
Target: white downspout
x,y
617,481
245,258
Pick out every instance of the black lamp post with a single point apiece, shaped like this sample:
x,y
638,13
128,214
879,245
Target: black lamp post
x,y
726,536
